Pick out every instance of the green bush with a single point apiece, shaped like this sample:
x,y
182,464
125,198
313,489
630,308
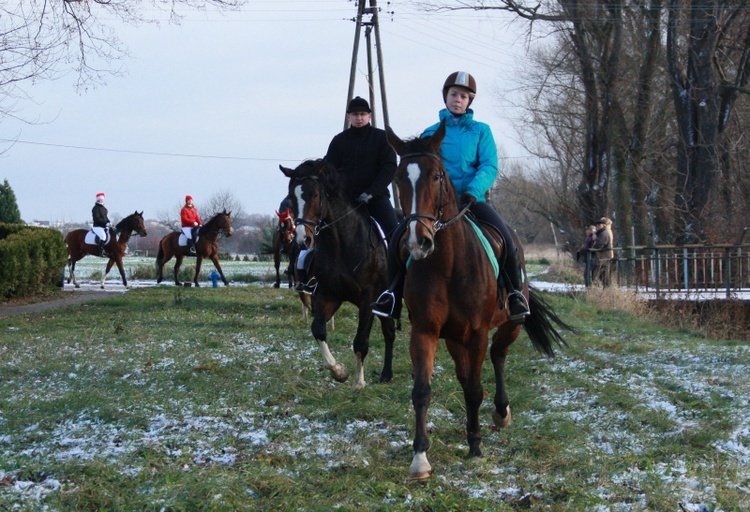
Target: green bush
x,y
31,259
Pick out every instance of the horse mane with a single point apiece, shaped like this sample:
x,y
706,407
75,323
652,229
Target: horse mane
x,y
210,224
121,225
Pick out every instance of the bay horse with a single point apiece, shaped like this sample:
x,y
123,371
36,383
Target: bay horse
x,y
451,292
206,247
283,242
114,248
350,262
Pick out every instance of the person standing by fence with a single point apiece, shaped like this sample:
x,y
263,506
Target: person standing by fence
x,y
604,255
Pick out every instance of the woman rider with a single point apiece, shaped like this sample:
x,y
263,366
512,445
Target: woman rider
x,y
469,156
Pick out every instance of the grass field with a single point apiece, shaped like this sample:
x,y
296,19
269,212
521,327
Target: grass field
x,y
169,398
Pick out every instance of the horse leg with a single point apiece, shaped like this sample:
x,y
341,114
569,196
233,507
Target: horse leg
x,y
106,271
177,264
501,341
120,268
215,259
162,257
361,345
72,267
198,263
277,264
422,347
468,359
388,328
318,329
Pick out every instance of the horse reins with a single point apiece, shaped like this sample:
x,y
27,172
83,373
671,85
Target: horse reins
x,y
317,227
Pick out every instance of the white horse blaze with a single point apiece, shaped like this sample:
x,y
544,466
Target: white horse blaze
x,y
300,230
413,172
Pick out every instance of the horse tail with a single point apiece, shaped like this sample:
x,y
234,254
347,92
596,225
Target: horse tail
x,y
540,324
160,254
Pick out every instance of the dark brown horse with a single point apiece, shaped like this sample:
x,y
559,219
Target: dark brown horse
x,y
452,293
350,262
206,247
115,247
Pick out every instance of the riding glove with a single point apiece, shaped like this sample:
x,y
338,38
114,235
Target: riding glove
x,y
364,197
467,199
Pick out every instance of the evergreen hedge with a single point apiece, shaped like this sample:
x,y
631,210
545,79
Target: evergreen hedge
x,y
31,259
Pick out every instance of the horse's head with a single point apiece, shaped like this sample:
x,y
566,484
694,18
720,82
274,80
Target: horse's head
x,y
307,194
133,222
224,222
425,191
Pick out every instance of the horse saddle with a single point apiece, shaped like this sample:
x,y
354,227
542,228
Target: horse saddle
x,y
91,237
182,240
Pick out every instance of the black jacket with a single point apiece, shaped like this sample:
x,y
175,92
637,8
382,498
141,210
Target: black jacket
x,y
99,212
366,158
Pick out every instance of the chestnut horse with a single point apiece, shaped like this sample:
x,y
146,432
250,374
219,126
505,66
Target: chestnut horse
x,y
350,262
451,292
114,249
283,243
207,246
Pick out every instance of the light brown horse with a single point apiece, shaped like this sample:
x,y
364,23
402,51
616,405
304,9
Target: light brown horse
x,y
207,246
115,247
451,292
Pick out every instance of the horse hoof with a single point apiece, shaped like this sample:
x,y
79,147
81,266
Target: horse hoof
x,y
499,421
78,285
276,285
420,468
421,476
339,372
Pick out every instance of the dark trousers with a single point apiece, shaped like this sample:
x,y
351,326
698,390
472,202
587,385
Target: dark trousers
x,y
381,209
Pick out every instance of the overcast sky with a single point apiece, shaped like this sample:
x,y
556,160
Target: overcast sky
x,y
217,103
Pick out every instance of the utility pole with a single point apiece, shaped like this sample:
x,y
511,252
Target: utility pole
x,y
370,27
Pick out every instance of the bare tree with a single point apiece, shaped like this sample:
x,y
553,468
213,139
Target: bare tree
x,y
42,40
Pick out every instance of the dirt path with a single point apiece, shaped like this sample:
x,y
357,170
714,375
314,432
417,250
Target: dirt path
x,y
69,299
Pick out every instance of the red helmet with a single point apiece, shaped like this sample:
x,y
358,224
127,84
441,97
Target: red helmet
x,y
460,79
188,198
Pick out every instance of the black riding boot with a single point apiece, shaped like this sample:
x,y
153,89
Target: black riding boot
x,y
389,302
518,306
306,283
102,250
191,245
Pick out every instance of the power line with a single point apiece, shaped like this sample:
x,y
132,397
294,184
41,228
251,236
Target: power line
x,y
152,153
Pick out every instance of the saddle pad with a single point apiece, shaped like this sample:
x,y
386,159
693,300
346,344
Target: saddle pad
x,y
90,238
487,247
379,228
182,240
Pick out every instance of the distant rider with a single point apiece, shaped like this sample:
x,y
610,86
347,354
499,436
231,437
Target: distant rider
x,y
101,222
191,221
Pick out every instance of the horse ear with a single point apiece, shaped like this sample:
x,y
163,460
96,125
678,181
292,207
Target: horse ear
x,y
396,143
437,137
287,171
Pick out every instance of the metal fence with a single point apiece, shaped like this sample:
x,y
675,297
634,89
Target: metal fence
x,y
720,270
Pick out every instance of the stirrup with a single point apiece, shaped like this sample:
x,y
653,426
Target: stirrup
x,y
384,304
519,315
309,287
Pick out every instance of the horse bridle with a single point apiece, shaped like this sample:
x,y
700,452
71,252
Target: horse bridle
x,y
320,225
438,223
